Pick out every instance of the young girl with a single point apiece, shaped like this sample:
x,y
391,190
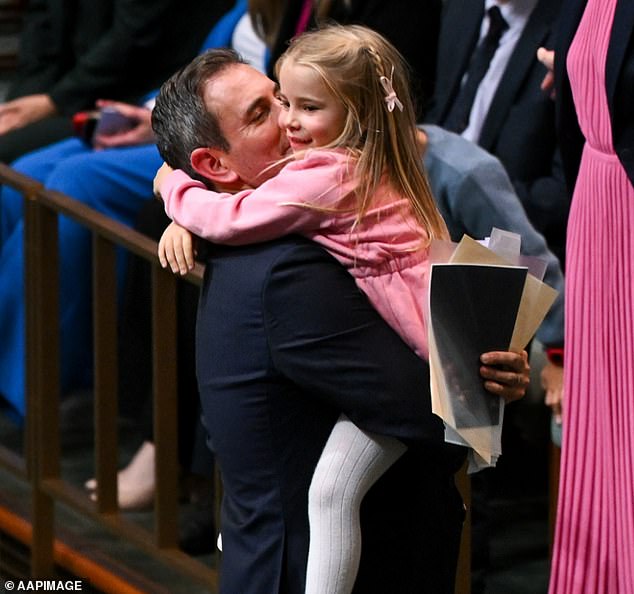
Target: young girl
x,y
356,186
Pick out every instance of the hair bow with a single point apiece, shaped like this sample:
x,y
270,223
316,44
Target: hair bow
x,y
391,98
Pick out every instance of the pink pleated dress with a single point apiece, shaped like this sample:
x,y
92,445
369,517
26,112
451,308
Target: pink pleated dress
x,y
594,544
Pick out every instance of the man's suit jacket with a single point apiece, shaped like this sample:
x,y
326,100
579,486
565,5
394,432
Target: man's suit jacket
x,y
285,341
619,80
78,51
520,126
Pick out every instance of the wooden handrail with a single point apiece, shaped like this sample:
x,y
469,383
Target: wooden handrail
x,y
98,223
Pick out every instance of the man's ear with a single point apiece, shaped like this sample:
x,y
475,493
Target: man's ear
x,y
210,163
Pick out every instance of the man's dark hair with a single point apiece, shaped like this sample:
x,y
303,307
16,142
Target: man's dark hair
x,y
180,118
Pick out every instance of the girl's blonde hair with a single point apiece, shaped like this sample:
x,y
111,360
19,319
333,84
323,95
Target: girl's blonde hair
x,y
353,61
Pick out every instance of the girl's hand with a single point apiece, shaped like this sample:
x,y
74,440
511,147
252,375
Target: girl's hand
x,y
163,171
506,374
176,249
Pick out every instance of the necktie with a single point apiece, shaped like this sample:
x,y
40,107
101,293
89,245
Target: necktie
x,y
458,117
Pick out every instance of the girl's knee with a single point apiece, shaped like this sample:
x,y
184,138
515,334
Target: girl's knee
x,y
328,490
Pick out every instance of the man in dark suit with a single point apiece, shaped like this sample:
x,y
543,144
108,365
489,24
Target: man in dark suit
x,y
285,342
510,117
73,53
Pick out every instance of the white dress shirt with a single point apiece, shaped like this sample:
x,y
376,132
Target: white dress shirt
x,y
516,13
246,42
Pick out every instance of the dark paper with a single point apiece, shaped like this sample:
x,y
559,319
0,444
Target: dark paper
x,y
473,311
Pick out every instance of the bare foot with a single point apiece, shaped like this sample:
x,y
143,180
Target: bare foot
x,y
135,482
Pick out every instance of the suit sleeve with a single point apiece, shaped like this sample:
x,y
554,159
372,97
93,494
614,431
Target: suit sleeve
x,y
284,204
326,338
547,203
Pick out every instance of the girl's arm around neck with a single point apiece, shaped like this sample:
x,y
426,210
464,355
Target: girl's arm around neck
x,y
274,209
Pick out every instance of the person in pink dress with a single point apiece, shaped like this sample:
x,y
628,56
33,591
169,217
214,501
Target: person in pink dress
x,y
594,92
356,186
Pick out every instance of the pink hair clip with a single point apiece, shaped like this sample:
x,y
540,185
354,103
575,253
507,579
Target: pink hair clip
x,y
391,99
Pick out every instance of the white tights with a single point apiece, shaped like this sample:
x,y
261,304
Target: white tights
x,y
352,461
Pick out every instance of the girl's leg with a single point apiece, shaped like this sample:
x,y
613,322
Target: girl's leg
x,y
350,464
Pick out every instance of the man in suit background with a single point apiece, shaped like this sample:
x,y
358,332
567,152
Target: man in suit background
x,y
510,116
498,103
410,25
286,341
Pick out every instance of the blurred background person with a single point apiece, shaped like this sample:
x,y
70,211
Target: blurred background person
x,y
412,26
73,53
95,177
488,90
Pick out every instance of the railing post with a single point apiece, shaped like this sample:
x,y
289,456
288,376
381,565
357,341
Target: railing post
x,y
106,372
42,318
165,406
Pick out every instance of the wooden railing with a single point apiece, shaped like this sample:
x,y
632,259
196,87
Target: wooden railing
x,y
40,462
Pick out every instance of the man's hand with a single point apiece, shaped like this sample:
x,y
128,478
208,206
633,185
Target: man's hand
x,y
176,249
552,377
141,133
163,171
506,374
25,110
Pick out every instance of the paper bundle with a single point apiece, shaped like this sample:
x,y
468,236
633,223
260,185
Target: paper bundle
x,y
481,299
